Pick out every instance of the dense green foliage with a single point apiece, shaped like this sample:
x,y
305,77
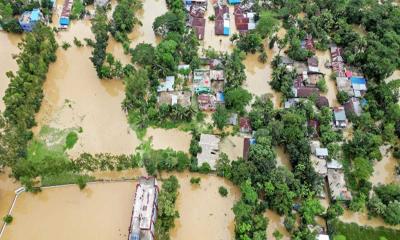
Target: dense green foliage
x,y
124,20
355,232
166,208
100,29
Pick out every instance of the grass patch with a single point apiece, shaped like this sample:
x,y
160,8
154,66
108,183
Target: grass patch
x,y
353,231
71,140
65,178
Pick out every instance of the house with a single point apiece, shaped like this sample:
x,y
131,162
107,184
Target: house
x,y
198,25
322,237
312,78
313,126
201,78
308,43
214,63
312,63
217,75
321,152
353,106
344,84
337,61
233,119
359,85
209,150
100,3
222,23
167,85
339,117
29,19
322,102
65,13
244,18
207,102
291,102
334,164
233,2
190,3
245,125
318,163
182,98
337,185
305,92
144,213
247,142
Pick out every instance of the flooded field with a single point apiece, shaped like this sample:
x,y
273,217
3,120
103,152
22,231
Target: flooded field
x,y
204,214
233,147
68,213
385,170
9,47
282,159
169,138
275,223
362,219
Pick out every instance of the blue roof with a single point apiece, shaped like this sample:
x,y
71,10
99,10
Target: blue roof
x,y
234,1
64,21
226,31
35,14
358,80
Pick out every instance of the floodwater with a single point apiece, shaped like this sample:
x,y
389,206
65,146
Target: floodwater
x,y
7,191
75,97
169,138
361,218
204,214
323,57
233,147
282,158
9,47
275,223
141,33
68,213
219,43
385,170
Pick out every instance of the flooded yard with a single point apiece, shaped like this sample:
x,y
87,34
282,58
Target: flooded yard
x,y
75,97
68,213
275,223
233,147
385,169
9,47
169,138
324,57
361,218
204,214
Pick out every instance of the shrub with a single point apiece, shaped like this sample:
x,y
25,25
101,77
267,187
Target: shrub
x,y
82,182
71,140
65,45
8,219
223,191
195,180
205,168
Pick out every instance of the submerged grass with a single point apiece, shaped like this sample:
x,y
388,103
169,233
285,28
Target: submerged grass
x,y
353,231
65,178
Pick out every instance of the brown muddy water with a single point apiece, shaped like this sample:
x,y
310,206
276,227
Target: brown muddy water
x,y
204,214
68,213
169,138
75,97
93,213
7,191
385,169
9,47
282,158
275,223
323,57
233,147
361,218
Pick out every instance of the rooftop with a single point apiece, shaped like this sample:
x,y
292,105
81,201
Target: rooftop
x,y
209,150
337,185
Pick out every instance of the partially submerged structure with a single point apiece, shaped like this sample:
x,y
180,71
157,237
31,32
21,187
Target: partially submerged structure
x,y
196,20
244,18
65,13
337,185
339,117
222,22
29,19
144,213
209,150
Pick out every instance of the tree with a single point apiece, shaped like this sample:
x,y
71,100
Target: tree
x,y
220,117
263,157
342,97
169,22
334,211
392,213
250,42
236,99
143,54
363,168
223,191
267,24
310,208
376,207
234,68
321,85
249,193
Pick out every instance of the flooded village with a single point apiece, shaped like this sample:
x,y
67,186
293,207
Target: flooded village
x,y
111,206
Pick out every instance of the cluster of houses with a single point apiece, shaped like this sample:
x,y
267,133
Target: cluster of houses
x,y
29,19
245,17
196,20
349,81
